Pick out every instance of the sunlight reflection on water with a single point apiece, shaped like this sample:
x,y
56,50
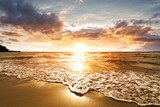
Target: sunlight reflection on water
x,y
132,77
78,62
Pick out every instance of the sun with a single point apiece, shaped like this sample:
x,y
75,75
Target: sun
x,y
80,47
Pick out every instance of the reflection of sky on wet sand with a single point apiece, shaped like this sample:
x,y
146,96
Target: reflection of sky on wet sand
x,y
74,98
119,70
32,93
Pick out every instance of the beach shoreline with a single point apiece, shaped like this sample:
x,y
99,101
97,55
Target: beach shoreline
x,y
32,93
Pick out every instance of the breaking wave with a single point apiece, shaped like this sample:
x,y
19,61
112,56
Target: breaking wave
x,y
138,87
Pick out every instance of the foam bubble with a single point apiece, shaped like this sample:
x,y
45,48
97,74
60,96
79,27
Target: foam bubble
x,y
138,87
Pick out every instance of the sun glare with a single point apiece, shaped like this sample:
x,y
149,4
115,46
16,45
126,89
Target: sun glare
x,y
80,47
78,61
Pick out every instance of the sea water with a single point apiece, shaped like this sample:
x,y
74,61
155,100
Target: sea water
x,y
125,76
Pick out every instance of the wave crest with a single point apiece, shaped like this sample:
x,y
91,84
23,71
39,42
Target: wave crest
x,y
138,87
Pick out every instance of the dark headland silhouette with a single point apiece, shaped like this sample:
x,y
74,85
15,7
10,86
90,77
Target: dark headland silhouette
x,y
4,49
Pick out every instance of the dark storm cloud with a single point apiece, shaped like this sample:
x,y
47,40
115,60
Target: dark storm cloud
x,y
10,34
20,13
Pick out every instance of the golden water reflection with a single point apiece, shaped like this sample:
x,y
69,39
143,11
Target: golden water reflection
x,y
78,62
83,62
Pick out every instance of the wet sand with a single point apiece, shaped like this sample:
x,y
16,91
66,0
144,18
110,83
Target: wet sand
x,y
31,93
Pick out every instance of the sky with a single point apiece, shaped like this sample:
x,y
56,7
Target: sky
x,y
98,25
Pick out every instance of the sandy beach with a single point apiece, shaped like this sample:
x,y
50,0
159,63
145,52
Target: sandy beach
x,y
79,53
31,93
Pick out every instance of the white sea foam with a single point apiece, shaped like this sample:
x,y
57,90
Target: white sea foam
x,y
138,87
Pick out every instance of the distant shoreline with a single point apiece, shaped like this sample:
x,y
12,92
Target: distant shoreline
x,y
5,49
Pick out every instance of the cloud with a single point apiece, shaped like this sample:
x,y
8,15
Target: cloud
x,y
151,46
148,38
144,22
1,41
10,34
85,34
66,10
133,30
120,24
149,21
90,33
44,38
13,40
126,33
80,1
155,16
137,35
19,13
123,31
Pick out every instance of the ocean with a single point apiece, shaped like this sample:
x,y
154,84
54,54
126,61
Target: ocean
x,y
125,76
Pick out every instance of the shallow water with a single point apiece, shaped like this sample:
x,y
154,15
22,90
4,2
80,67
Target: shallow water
x,y
131,77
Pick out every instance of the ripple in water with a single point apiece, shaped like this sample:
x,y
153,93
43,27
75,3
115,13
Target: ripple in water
x,y
139,87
